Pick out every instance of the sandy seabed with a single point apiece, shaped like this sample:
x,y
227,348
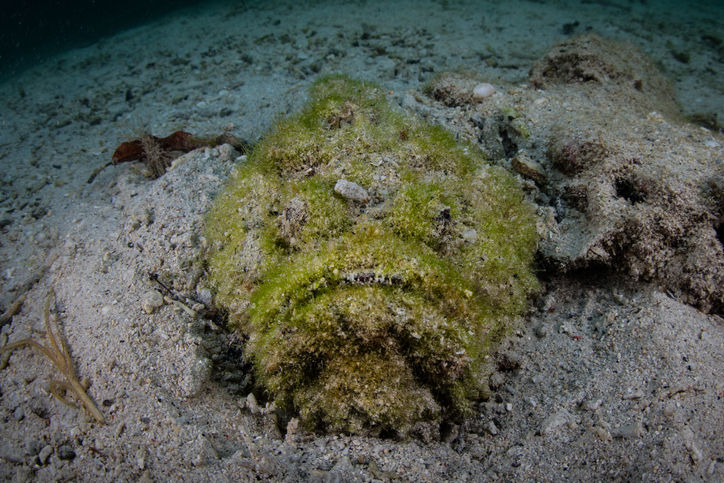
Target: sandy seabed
x,y
608,378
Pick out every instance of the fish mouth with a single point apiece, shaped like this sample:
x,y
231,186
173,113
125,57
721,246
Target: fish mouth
x,y
372,278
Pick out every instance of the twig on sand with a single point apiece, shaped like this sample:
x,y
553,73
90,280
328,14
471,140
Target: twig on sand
x,y
59,354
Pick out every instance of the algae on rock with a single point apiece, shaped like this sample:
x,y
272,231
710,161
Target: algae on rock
x,y
374,315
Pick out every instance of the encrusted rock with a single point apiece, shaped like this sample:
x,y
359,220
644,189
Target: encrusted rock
x,y
529,168
351,191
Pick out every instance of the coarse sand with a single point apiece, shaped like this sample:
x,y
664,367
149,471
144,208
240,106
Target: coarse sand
x,y
611,376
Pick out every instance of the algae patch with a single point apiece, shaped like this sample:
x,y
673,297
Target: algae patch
x,y
377,313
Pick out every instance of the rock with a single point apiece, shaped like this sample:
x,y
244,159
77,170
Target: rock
x,y
292,431
201,452
343,465
32,446
141,459
633,430
670,410
481,91
638,394
555,421
529,168
23,473
66,453
45,454
496,380
690,444
351,191
252,405
603,434
151,301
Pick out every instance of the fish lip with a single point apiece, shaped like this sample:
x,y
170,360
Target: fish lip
x,y
371,278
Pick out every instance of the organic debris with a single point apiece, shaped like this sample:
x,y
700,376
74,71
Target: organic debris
x,y
59,354
157,153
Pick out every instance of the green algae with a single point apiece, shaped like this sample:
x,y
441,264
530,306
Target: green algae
x,y
370,316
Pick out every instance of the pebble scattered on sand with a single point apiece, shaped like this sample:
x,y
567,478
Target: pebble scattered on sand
x,y
481,91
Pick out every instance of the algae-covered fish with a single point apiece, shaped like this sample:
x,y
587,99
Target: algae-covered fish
x,y
370,313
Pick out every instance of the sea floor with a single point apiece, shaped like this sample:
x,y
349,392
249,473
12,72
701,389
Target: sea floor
x,y
642,403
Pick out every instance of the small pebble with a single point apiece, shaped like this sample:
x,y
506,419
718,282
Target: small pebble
x,y
141,459
252,405
343,465
32,446
45,454
529,167
594,405
670,410
66,453
555,421
603,434
481,91
151,301
631,431
351,191
634,395
690,443
541,331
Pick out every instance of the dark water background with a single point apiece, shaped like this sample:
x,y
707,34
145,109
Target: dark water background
x,y
32,31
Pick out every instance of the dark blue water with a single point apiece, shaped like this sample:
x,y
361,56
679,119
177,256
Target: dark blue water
x,y
32,31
